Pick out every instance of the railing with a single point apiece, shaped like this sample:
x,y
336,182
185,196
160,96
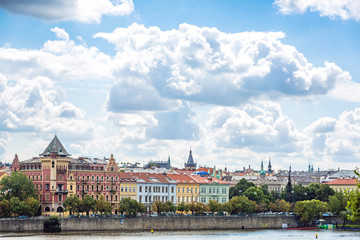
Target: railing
x,y
61,191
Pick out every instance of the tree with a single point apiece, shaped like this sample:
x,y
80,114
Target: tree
x,y
72,204
324,192
17,207
103,206
280,205
240,188
170,206
227,207
310,210
5,208
198,208
182,207
33,206
255,194
353,204
337,203
87,204
159,207
242,204
17,185
214,206
130,207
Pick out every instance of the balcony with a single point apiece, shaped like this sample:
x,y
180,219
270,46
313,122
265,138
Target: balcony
x,y
83,181
61,170
58,190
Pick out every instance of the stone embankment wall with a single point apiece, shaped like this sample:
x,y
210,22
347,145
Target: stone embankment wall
x,y
156,223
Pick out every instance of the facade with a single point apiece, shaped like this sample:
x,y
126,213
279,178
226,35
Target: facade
x,y
212,189
56,176
154,187
187,188
343,185
159,164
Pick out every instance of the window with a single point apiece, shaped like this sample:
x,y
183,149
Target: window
x,y
195,190
107,198
47,197
217,190
223,200
92,178
125,189
183,190
102,178
60,198
178,199
134,190
107,178
223,190
122,189
178,190
129,189
209,190
97,178
78,187
47,187
140,197
140,188
52,164
70,187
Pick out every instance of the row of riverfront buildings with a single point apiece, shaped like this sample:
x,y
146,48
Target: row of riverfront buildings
x,y
57,175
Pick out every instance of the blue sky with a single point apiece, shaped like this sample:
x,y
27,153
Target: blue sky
x,y
237,81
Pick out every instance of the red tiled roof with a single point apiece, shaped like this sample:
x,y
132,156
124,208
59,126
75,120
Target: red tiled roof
x,y
343,182
182,178
207,180
152,177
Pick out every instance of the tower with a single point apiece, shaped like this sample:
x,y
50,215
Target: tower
x,y
190,164
289,188
269,166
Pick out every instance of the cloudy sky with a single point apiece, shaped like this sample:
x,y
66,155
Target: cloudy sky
x,y
237,81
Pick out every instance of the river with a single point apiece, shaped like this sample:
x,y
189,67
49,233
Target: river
x,y
197,235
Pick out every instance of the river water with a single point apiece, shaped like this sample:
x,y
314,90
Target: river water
x,y
197,235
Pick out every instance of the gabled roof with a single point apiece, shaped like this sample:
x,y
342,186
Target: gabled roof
x,y
152,177
55,146
182,178
351,181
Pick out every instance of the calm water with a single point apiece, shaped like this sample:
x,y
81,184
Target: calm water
x,y
228,235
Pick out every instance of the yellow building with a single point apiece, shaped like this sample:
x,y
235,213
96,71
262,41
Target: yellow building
x,y
344,185
187,189
128,186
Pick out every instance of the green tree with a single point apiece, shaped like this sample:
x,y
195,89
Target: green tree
x,y
324,192
17,207
227,207
103,206
255,194
171,206
310,210
337,203
87,204
159,207
353,204
17,185
5,208
280,205
240,188
130,207
198,208
183,207
32,206
72,204
214,206
242,204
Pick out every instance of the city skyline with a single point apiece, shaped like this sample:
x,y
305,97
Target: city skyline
x,y
237,82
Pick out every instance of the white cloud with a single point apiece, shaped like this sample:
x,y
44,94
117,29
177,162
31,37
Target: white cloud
x,y
209,66
259,126
86,11
343,9
37,105
60,33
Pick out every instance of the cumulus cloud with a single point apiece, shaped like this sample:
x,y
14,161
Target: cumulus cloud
x,y
337,138
259,126
206,65
86,11
342,9
37,105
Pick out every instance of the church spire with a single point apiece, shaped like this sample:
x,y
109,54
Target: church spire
x,y
190,164
269,166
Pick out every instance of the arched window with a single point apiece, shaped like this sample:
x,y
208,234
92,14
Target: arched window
x,y
53,164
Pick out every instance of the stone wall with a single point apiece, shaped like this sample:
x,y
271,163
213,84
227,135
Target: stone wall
x,y
156,223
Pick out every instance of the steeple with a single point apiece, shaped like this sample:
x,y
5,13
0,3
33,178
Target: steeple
x,y
112,166
289,188
168,163
269,166
15,166
190,165
55,148
262,165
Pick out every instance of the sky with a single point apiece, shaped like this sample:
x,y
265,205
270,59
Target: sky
x,y
237,82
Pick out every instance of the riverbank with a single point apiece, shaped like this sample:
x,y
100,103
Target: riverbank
x,y
155,223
